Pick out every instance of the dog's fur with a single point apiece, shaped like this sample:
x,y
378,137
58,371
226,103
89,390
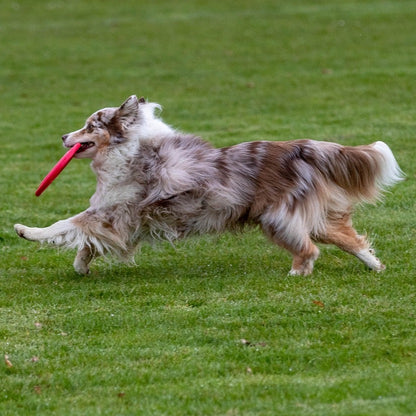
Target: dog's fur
x,y
154,182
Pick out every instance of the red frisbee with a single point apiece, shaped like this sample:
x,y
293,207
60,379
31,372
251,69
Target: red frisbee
x,y
57,169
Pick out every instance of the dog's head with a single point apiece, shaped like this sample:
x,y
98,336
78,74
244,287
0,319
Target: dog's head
x,y
105,128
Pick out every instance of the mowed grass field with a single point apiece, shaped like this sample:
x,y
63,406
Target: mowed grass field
x,y
212,326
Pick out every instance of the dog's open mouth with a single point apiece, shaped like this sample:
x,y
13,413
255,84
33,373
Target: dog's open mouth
x,y
85,146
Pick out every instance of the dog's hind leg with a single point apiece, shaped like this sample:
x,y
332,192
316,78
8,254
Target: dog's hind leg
x,y
304,259
297,242
83,259
304,255
340,232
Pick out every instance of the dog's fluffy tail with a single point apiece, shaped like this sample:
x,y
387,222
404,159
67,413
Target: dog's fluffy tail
x,y
364,172
390,172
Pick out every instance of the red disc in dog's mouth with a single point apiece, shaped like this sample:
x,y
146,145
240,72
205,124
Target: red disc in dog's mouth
x,y
85,146
58,168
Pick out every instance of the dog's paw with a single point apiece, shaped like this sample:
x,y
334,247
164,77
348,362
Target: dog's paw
x,y
378,266
81,268
28,233
293,272
20,230
300,272
370,260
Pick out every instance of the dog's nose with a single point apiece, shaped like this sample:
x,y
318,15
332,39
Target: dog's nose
x,y
64,137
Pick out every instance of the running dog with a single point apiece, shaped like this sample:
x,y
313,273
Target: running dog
x,y
154,182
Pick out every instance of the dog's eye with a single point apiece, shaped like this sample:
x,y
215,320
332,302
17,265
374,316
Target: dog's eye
x,y
89,128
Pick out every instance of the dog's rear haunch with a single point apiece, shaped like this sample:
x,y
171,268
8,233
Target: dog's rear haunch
x,y
154,182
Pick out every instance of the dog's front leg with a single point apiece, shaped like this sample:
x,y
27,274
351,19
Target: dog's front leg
x,y
58,234
83,259
92,234
62,233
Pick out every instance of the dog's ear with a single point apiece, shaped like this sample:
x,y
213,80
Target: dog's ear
x,y
128,112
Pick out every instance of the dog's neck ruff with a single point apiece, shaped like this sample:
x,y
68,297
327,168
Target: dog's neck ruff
x,y
113,168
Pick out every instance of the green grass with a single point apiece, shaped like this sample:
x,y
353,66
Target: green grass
x,y
165,337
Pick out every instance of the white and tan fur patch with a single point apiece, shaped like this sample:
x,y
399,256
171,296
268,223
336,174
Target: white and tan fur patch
x,y
154,182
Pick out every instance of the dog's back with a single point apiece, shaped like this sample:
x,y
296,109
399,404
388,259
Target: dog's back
x,y
209,190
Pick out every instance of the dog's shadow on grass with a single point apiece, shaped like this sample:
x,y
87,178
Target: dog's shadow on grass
x,y
185,268
194,258
208,259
